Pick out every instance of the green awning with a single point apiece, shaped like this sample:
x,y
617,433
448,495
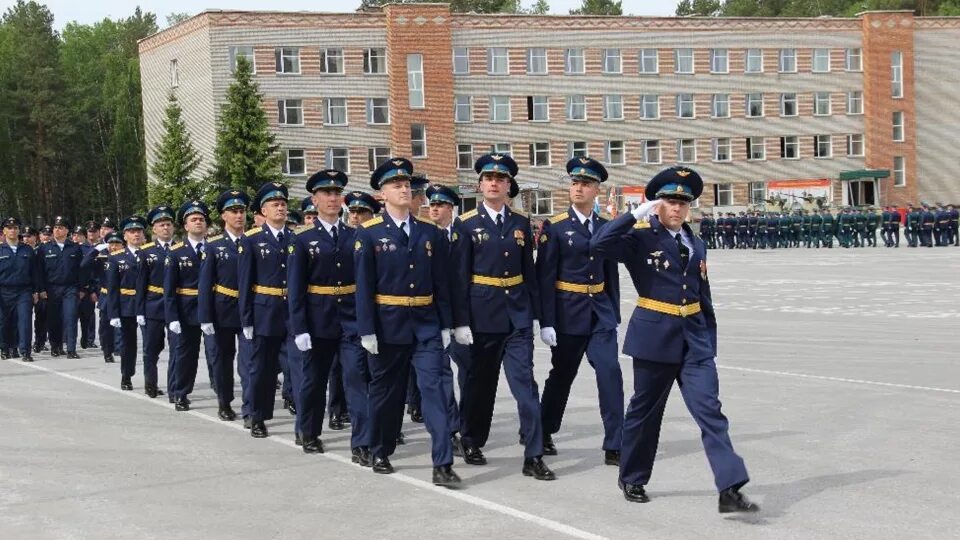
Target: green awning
x,y
864,173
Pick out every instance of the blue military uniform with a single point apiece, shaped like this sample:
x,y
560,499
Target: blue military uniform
x,y
953,216
40,333
19,284
94,265
150,304
124,268
672,336
928,221
60,279
86,306
580,295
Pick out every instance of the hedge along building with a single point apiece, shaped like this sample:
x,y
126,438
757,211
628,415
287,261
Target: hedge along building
x,y
762,107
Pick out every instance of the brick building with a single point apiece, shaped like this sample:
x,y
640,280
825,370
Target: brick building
x,y
856,110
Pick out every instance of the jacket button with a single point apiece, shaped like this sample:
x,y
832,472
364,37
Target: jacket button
x,y
684,287
506,273
411,267
591,276
411,285
591,257
683,300
506,253
338,265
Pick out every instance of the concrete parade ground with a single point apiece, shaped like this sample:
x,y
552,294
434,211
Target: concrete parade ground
x,y
839,370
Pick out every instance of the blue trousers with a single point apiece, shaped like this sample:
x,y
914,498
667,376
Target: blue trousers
x,y
109,339
356,381
128,348
62,317
264,367
488,352
225,352
700,388
244,359
601,351
460,355
188,356
286,346
338,394
40,323
153,344
16,306
310,384
88,320
210,354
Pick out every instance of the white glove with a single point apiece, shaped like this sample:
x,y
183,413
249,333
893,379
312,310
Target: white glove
x,y
463,335
548,336
102,247
207,328
115,323
248,332
141,320
370,343
303,342
536,327
175,327
445,337
644,210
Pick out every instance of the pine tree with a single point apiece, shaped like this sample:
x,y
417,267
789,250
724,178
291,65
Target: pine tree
x,y
176,162
599,7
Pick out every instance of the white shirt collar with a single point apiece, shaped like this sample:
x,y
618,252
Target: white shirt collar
x,y
327,226
580,217
231,236
194,244
272,230
133,250
59,245
397,223
493,213
12,246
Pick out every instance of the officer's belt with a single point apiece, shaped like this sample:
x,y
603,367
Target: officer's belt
x,y
582,288
408,301
128,292
103,290
154,289
269,291
669,309
187,292
332,290
497,281
226,291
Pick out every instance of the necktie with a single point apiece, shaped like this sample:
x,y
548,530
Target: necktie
x,y
500,222
588,225
164,247
684,252
237,242
280,237
200,248
403,230
334,234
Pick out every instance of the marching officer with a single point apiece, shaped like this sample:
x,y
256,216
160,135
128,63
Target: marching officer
x,y
927,223
580,297
262,283
40,309
912,227
828,229
217,308
88,299
19,287
816,229
954,226
60,285
94,266
151,310
707,227
496,296
672,335
123,277
180,291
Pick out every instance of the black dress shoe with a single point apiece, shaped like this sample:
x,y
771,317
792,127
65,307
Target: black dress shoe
x,y
108,358
611,457
83,345
549,449
290,406
633,493
247,422
125,384
536,468
416,415
731,500
27,358
258,430
181,405
4,355
226,414
457,445
54,352
297,438
355,454
44,348
382,466
444,476
151,391
37,348
401,439
366,460
314,446
336,422
473,456
73,355
14,353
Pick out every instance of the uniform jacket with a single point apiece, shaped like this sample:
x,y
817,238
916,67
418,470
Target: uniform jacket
x,y
150,302
329,311
18,271
218,295
263,264
59,267
123,274
181,284
94,268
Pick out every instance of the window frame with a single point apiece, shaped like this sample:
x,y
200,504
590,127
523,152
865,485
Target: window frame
x,y
325,57
465,57
787,53
530,58
715,101
655,102
607,101
415,82
492,59
572,151
571,104
680,148
282,107
285,169
898,121
850,144
372,161
747,110
858,99
717,144
679,54
280,55
680,103
899,172
752,144
785,144
535,152
457,105
609,153
817,101
817,141
328,110
848,57
642,58
648,145
493,107
605,58
330,160
814,57
174,73
568,58
896,74
747,57
794,101
544,106
724,189
414,141
462,150
538,197
252,59
714,57
369,57
372,111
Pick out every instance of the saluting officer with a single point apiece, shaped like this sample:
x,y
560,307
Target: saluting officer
x,y
403,317
496,311
124,267
60,284
19,287
151,315
672,335
580,294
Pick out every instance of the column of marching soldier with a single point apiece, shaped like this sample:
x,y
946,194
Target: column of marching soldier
x,y
377,308
924,226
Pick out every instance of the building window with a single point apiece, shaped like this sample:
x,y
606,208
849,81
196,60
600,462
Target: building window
x,y
464,157
853,61
649,107
686,151
538,109
683,60
756,149
418,140
336,112
578,149
339,159
463,109
501,148
461,60
540,154
174,74
498,63
788,61
576,107
754,61
899,171
754,105
649,64
611,61
855,145
375,61
821,103
573,61
821,61
415,80
542,202
615,153
288,60
294,162
378,111
242,51
758,192
685,107
896,73
291,112
499,108
537,61
790,147
723,194
331,61
377,155
898,126
651,152
721,149
613,107
788,104
821,146
855,102
718,61
720,106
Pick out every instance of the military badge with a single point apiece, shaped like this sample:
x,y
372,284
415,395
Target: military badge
x,y
519,237
357,245
454,236
543,238
290,249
